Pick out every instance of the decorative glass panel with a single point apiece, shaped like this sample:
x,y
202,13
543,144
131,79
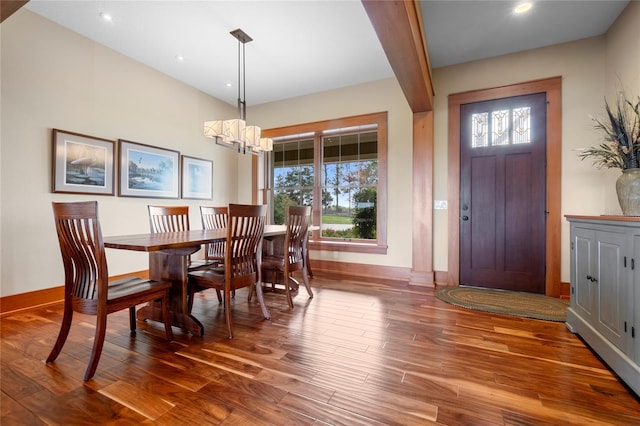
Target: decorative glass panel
x,y
500,127
522,125
479,130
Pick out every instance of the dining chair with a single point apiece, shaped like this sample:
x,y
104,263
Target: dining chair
x,y
176,219
87,289
291,257
245,229
214,218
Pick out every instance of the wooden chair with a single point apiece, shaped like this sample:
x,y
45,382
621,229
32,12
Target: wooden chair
x,y
214,218
86,286
292,255
242,254
176,219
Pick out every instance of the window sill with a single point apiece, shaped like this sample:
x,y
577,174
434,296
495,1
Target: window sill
x,y
348,246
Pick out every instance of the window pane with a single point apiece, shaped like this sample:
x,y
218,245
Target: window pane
x,y
479,131
290,197
336,218
349,176
522,125
293,176
500,127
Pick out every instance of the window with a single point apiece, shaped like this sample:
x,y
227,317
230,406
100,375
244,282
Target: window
x,y
339,168
520,119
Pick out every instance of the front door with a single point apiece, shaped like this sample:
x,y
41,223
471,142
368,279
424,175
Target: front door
x,y
503,193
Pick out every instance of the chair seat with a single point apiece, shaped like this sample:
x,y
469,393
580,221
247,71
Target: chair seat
x,y
195,265
272,262
213,274
126,287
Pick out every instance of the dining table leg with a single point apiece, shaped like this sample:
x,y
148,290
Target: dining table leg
x,y
172,265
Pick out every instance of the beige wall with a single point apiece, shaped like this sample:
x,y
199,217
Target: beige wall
x,y
383,95
588,68
623,53
54,78
580,64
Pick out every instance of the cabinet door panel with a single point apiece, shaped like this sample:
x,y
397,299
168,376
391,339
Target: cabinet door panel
x,y
612,285
634,304
583,295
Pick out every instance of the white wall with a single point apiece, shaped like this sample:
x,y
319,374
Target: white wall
x,y
54,78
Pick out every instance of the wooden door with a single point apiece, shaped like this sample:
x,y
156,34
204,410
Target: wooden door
x,y
503,193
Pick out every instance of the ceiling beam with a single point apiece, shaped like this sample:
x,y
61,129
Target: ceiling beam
x,y
8,7
399,27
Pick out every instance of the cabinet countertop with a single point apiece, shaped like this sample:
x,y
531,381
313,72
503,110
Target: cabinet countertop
x,y
604,217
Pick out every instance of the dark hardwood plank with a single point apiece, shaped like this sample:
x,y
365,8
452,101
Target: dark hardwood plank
x,y
377,352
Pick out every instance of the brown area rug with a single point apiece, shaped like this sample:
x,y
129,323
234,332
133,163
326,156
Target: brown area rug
x,y
514,303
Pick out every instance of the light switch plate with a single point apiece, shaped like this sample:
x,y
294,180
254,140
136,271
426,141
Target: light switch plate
x,y
440,204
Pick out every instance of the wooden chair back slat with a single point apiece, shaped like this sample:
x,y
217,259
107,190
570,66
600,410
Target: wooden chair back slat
x,y
245,229
168,218
298,218
214,218
82,251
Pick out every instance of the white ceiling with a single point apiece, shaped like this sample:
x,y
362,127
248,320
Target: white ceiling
x,y
308,46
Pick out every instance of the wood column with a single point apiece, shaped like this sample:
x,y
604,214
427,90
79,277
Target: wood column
x,y
422,211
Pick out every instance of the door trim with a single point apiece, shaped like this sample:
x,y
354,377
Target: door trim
x,y
553,89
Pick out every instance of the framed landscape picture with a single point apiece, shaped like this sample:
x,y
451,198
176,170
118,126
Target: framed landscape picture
x,y
82,164
197,178
148,171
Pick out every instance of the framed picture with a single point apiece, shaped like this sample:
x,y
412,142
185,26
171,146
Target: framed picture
x,y
82,164
197,178
148,171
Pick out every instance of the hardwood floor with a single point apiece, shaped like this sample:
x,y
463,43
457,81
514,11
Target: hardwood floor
x,y
358,353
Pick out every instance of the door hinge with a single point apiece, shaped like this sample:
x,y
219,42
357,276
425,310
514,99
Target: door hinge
x,y
573,290
571,245
633,332
625,326
633,264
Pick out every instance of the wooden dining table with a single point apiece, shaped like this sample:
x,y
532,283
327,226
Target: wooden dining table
x,y
169,260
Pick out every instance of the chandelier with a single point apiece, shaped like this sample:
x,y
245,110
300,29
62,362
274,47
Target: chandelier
x,y
234,133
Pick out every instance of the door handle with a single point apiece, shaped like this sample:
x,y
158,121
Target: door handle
x,y
465,218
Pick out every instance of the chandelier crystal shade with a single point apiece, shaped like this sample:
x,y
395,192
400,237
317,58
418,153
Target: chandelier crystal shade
x,y
235,133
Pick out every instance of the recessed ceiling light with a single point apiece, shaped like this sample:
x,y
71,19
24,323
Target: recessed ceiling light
x,y
522,8
106,16
179,58
228,85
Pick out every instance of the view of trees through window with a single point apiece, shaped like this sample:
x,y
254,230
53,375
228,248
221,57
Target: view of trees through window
x,y
341,169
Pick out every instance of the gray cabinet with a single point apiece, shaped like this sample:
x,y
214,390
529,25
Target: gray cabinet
x,y
605,290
